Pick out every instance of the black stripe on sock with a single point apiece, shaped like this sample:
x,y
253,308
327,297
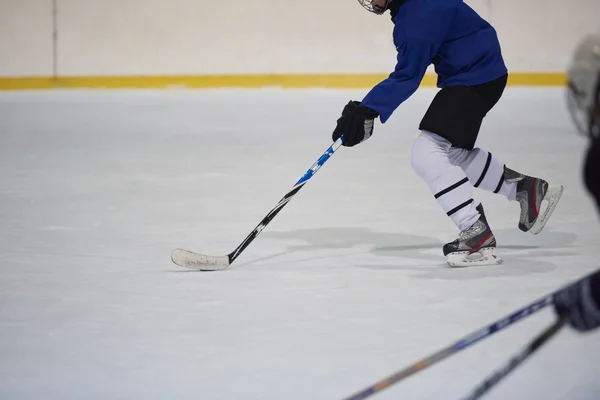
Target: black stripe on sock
x,y
500,183
460,207
451,188
485,169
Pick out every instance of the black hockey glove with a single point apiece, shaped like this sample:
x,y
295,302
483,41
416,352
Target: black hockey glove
x,y
355,124
580,303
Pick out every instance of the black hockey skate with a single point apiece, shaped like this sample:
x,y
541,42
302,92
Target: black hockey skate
x,y
474,247
531,192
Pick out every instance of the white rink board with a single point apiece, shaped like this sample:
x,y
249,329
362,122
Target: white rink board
x,y
190,37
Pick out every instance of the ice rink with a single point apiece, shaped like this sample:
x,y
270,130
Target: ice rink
x,y
345,286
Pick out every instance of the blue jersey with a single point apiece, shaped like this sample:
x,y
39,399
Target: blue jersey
x,y
462,46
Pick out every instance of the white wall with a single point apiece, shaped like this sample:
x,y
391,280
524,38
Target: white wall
x,y
25,37
196,37
540,35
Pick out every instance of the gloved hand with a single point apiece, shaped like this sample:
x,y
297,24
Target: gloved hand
x,y
355,124
580,303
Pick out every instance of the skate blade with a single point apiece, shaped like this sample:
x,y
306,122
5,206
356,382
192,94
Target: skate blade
x,y
486,256
551,199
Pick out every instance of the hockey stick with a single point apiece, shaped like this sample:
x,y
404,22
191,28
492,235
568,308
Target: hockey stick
x,y
462,344
454,348
188,259
515,361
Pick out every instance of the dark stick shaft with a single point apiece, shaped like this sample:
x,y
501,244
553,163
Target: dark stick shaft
x,y
515,361
462,344
454,348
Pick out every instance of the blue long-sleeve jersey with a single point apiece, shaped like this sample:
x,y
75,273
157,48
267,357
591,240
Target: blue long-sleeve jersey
x,y
462,46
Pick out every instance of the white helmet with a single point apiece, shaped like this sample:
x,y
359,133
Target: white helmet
x,y
583,93
375,8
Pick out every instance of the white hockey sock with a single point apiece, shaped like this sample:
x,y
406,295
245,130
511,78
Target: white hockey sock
x,y
484,170
448,183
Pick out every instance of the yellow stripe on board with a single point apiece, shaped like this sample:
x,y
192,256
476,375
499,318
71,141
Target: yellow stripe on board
x,y
23,83
288,81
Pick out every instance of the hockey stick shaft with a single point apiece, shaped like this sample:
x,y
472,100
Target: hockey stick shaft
x,y
286,199
454,348
461,344
516,360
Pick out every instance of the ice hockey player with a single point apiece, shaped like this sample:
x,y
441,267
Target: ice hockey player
x,y
581,301
466,54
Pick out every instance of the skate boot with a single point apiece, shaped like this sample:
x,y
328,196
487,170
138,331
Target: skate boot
x,y
474,247
531,192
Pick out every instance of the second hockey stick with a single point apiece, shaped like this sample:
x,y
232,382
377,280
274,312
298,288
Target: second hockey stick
x,y
188,259
516,360
461,344
454,348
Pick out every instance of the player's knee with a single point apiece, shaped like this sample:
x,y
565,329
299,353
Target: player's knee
x,y
427,154
416,160
458,156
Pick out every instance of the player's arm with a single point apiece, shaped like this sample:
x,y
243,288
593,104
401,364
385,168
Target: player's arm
x,y
416,45
413,58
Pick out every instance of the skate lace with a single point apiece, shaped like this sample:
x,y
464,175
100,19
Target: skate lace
x,y
473,231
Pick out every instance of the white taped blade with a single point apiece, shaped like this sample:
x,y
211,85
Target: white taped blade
x,y
188,259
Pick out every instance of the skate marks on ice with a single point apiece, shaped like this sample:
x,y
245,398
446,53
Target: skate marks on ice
x,y
522,253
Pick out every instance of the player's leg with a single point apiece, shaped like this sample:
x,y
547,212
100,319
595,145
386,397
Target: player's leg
x,y
453,191
591,170
448,183
486,171
450,121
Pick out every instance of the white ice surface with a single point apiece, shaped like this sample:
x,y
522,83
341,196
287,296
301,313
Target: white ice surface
x,y
346,286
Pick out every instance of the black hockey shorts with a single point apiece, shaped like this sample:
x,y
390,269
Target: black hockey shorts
x,y
456,112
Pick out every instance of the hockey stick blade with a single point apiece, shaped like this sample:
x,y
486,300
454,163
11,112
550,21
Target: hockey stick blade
x,y
200,262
